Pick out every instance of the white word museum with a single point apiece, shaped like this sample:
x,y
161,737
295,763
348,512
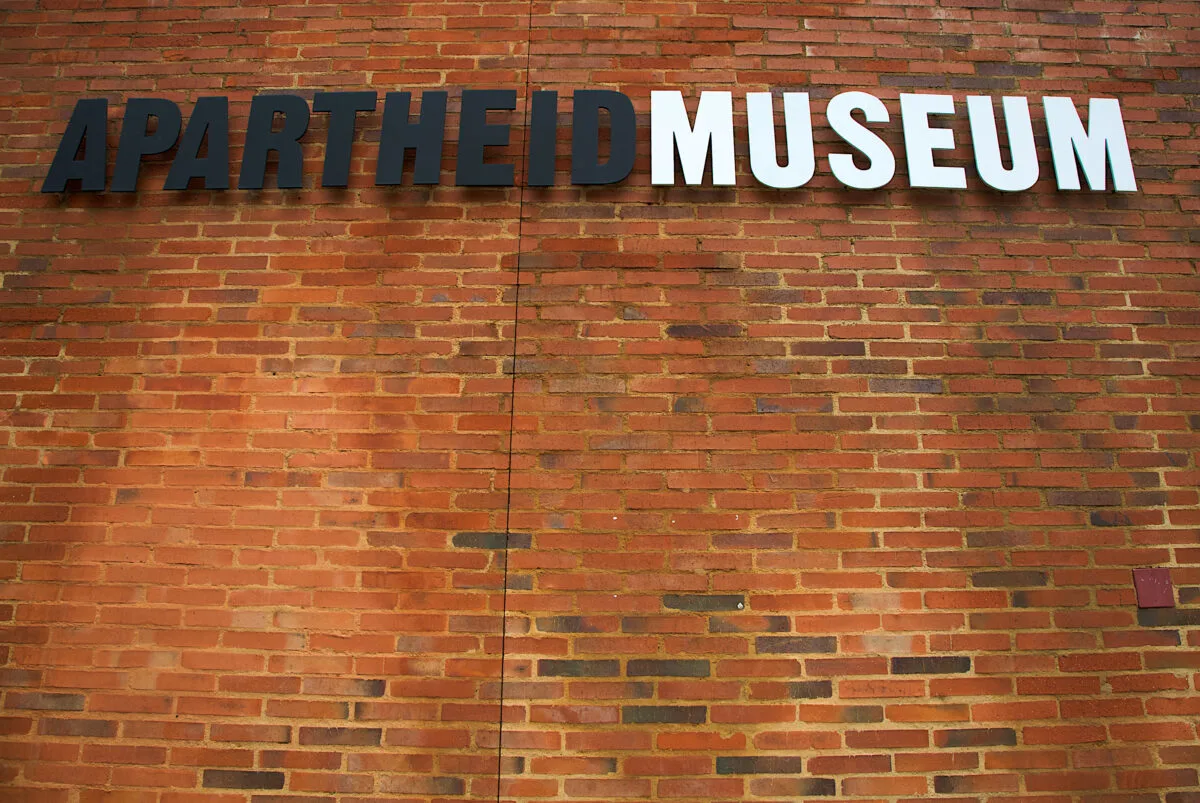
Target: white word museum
x,y
679,142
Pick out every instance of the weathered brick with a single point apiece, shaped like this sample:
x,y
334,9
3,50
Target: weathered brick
x,y
99,728
344,687
341,736
44,701
799,787
919,386
704,602
810,689
675,667
483,540
242,779
931,665
572,624
553,667
704,330
751,624
1008,579
796,644
664,714
975,737
1169,617
759,765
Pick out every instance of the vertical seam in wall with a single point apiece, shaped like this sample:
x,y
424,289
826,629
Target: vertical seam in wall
x,y
512,392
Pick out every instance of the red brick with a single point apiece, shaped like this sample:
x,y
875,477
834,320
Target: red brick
x,y
246,432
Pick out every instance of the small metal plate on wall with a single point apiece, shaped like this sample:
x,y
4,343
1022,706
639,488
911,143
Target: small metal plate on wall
x,y
1153,587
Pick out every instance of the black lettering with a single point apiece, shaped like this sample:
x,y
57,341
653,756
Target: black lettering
x,y
261,139
543,138
210,117
86,130
342,107
425,138
136,141
475,133
586,167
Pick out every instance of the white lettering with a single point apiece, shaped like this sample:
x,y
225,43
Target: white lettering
x,y
883,163
669,127
1103,142
797,127
986,141
920,141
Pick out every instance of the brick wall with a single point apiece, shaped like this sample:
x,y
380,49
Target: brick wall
x,y
713,493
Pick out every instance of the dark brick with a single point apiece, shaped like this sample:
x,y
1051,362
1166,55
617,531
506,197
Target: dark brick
x,y
704,602
795,644
1109,518
344,736
876,366
1008,579
1035,404
749,624
197,296
976,737
833,423
1145,498
98,728
664,714
1069,18
1003,538
1169,617
759,765
20,677
742,279
952,41
810,689
949,784
242,779
910,80
693,330
675,668
833,348
1034,298
881,385
1084,498
492,540
44,701
972,82
991,350
572,624
941,298
1182,797
561,667
1189,595
931,665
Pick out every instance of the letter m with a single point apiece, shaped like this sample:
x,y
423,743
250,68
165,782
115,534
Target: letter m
x,y
1103,143
669,127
